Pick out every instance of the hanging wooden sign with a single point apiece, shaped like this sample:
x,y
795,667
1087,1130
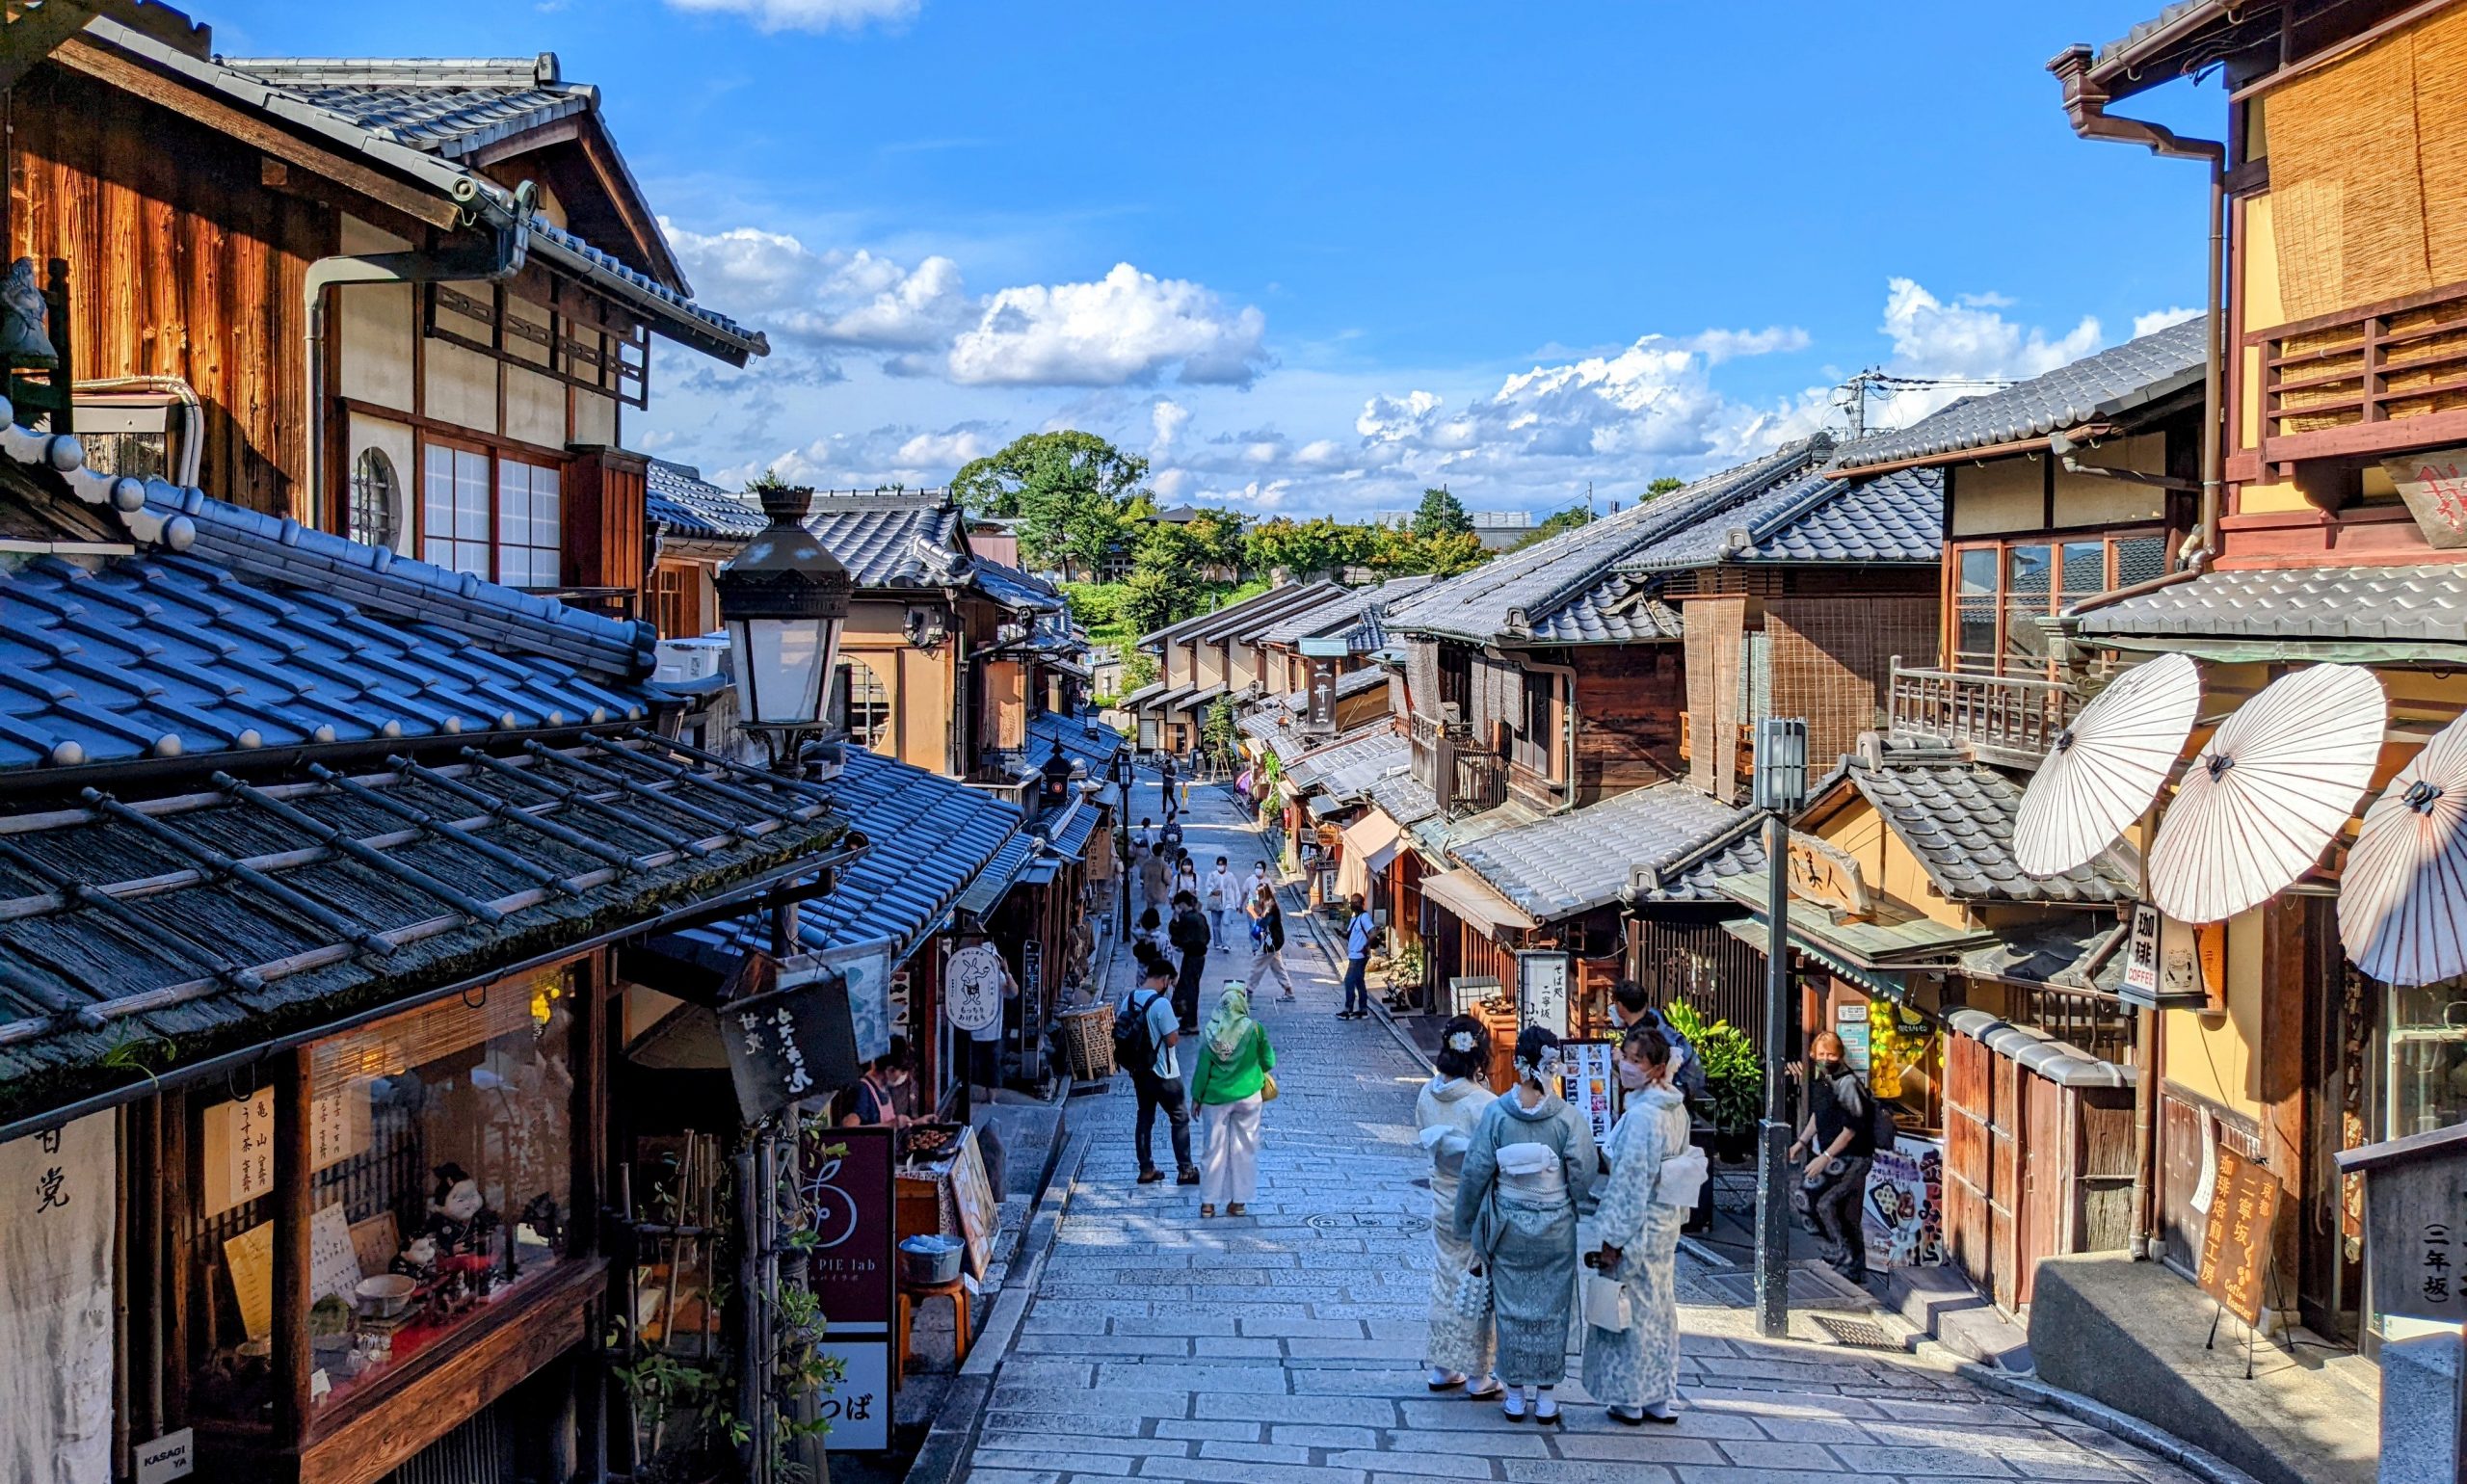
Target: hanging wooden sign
x,y
793,1042
2434,485
1824,873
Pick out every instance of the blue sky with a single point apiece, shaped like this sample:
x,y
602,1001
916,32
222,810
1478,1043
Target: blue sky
x,y
1311,257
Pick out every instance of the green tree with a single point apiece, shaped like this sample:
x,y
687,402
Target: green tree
x,y
1310,548
1402,553
1068,489
1147,601
1663,486
1442,513
1216,732
1568,519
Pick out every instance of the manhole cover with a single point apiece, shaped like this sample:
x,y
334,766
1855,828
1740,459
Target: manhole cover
x,y
1856,1332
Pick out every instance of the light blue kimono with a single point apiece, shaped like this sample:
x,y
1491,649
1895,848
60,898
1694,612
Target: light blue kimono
x,y
1524,1230
1638,1366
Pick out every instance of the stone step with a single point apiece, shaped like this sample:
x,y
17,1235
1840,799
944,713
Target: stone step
x,y
1939,1304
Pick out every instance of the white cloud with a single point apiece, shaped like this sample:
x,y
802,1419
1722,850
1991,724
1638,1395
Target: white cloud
x,y
805,14
1126,328
2157,320
1970,338
1166,420
1719,345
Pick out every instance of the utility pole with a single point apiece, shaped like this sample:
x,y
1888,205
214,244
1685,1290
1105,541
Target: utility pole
x,y
1781,787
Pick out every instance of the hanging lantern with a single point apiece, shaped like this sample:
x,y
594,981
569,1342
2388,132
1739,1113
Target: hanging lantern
x,y
783,601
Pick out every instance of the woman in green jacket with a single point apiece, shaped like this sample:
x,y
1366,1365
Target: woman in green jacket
x,y
1230,1085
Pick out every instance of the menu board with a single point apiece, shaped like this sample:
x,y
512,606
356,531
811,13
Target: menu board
x,y
2236,1242
239,1141
972,1195
1542,988
1586,1081
333,1267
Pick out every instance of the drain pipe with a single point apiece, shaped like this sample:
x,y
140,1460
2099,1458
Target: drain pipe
x,y
192,415
2085,105
500,259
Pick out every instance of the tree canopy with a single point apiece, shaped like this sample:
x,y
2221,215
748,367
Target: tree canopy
x,y
1071,493
1310,548
1568,519
1442,513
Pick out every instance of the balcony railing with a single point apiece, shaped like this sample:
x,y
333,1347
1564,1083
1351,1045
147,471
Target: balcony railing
x,y
1481,782
2385,375
2003,718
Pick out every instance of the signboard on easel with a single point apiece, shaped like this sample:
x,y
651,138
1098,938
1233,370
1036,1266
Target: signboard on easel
x,y
2236,1241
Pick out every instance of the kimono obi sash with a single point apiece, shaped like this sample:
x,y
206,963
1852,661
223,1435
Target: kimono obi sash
x,y
1532,1173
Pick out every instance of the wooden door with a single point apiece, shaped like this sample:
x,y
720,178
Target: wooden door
x,y
2047,1177
2005,1135
1966,1161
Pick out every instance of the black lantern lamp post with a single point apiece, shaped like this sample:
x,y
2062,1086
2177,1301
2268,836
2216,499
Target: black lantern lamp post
x,y
783,600
1057,779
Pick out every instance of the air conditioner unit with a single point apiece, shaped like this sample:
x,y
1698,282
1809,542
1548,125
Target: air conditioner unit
x,y
683,661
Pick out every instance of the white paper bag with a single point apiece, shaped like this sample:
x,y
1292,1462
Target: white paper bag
x,y
1605,1303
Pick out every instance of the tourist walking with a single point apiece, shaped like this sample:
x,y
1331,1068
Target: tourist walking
x,y
1839,1143
1529,1157
1359,933
1451,1103
1187,875
1223,899
1236,1079
1267,941
1633,1010
1156,878
1147,1044
1655,1178
1190,933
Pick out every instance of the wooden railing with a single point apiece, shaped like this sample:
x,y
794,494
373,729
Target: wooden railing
x,y
2384,376
2005,718
1481,782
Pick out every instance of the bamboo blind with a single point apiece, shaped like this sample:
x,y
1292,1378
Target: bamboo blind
x,y
1712,634
431,1033
2368,172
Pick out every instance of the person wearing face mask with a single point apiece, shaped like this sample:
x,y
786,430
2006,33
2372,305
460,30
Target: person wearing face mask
x,y
1655,1178
1528,1160
1839,1143
885,1092
1450,1105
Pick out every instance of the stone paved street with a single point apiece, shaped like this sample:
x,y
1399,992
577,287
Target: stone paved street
x,y
1286,1344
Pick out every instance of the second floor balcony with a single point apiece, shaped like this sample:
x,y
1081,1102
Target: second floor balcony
x,y
2004,719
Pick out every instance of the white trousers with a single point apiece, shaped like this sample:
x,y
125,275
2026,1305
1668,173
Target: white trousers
x,y
1228,1170
1264,962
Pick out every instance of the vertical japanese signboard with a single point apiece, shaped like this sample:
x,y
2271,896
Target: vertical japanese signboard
x,y
2415,1223
853,1270
2236,1242
1542,988
793,1042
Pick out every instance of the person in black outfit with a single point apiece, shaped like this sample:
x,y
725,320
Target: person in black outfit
x,y
1190,935
1839,1145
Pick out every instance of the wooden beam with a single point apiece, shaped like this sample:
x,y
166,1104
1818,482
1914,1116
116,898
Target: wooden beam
x,y
292,1154
86,56
36,33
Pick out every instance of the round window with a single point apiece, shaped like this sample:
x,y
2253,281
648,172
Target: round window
x,y
376,499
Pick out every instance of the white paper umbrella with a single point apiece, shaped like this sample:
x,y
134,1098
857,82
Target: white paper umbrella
x,y
2107,767
2271,790
2403,900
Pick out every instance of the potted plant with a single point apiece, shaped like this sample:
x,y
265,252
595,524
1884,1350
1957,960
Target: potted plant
x,y
1734,1076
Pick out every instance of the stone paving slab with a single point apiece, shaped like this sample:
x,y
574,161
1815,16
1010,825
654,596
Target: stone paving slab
x,y
1285,1346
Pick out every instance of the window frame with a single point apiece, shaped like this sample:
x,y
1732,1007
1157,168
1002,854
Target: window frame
x,y
495,456
2005,660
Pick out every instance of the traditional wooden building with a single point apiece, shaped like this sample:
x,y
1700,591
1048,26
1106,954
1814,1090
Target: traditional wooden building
x,y
1211,655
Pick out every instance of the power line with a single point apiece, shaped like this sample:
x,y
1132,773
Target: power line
x,y
1851,396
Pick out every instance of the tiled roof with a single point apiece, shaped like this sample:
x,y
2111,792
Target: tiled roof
x,y
2109,382
1272,604
1895,516
589,262
682,502
1084,740
1567,863
1013,587
1402,799
232,630
892,540
1957,818
1350,763
447,107
929,838
1342,612
126,925
1244,623
1528,592
2424,604
993,882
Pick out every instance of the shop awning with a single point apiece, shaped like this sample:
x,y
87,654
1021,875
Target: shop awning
x,y
1471,898
1885,984
1000,874
1369,844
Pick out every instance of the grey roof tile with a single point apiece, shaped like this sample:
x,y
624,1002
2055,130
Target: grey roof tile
x,y
892,539
2423,603
447,107
1351,763
1084,739
1957,818
1403,799
1568,863
1340,612
682,502
2109,382
1563,591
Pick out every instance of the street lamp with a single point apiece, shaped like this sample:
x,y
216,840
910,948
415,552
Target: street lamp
x,y
1781,791
783,600
1057,779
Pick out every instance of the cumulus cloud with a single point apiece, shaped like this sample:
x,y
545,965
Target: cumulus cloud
x,y
1969,337
1126,329
805,14
1719,345
2157,320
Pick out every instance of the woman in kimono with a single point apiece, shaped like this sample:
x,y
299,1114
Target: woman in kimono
x,y
1529,1157
1634,1371
1450,1105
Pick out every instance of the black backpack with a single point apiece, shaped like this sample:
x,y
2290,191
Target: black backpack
x,y
1881,1130
1134,1048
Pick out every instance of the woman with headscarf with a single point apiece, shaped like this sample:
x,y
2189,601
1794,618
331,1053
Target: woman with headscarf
x,y
1530,1155
1230,1087
1654,1176
1450,1105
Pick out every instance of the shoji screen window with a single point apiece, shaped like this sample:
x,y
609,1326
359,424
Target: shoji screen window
x,y
530,525
454,508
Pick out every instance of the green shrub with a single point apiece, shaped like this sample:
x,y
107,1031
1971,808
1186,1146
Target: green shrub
x,y
1733,1074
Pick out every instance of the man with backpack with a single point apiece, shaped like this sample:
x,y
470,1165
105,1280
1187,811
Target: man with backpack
x,y
1146,1033
1839,1139
1630,1007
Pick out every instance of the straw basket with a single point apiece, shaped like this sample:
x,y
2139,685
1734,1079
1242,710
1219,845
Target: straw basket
x,y
1088,1041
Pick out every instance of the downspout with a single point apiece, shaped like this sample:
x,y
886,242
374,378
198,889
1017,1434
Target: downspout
x,y
2085,105
503,258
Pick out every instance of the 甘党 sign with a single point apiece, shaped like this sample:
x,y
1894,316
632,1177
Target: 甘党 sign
x,y
793,1042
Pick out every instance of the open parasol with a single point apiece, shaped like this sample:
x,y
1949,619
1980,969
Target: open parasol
x,y
2107,766
2402,899
2271,790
